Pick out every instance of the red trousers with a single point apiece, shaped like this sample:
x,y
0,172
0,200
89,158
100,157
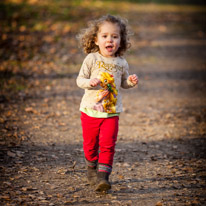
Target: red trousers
x,y
99,134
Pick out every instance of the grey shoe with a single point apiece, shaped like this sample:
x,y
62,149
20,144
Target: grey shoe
x,y
103,183
92,175
91,167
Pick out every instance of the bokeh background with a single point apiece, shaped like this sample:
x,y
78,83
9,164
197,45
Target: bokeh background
x,y
39,37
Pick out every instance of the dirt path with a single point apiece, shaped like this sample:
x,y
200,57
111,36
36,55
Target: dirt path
x,y
160,154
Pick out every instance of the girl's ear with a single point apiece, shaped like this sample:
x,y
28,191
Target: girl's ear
x,y
96,42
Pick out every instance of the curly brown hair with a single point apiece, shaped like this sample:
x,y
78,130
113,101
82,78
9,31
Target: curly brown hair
x,y
88,36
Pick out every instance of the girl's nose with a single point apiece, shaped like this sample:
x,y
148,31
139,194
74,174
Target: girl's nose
x,y
109,39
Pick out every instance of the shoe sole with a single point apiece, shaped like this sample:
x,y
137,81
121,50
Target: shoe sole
x,y
101,187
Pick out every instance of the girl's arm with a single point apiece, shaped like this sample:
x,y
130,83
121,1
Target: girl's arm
x,y
83,79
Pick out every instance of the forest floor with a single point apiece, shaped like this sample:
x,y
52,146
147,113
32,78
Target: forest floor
x,y
160,154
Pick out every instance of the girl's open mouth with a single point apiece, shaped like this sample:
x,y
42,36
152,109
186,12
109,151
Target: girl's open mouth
x,y
109,48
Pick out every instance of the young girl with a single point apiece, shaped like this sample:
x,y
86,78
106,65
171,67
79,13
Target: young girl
x,y
103,72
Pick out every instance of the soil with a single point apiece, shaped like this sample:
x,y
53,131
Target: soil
x,y
160,153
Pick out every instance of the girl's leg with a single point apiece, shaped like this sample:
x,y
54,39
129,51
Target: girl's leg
x,y
107,141
90,130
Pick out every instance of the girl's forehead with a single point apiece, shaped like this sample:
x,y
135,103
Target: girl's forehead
x,y
109,25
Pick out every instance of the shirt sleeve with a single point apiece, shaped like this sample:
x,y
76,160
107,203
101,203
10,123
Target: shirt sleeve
x,y
83,79
126,83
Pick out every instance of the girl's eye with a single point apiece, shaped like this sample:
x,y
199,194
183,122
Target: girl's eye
x,y
115,37
104,36
105,80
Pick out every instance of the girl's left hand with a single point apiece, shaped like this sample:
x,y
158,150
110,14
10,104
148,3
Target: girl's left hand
x,y
134,79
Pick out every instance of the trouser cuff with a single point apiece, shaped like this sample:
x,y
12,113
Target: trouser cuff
x,y
105,168
91,163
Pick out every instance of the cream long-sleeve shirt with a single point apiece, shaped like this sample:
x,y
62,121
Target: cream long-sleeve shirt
x,y
93,64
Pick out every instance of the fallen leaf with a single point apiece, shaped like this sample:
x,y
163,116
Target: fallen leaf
x,y
6,197
11,154
159,203
121,177
31,110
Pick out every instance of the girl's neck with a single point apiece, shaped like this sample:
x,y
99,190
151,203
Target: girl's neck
x,y
107,57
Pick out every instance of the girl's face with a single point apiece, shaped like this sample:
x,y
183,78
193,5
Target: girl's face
x,y
108,39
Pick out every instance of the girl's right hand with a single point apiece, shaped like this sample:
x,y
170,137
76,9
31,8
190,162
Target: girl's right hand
x,y
94,82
